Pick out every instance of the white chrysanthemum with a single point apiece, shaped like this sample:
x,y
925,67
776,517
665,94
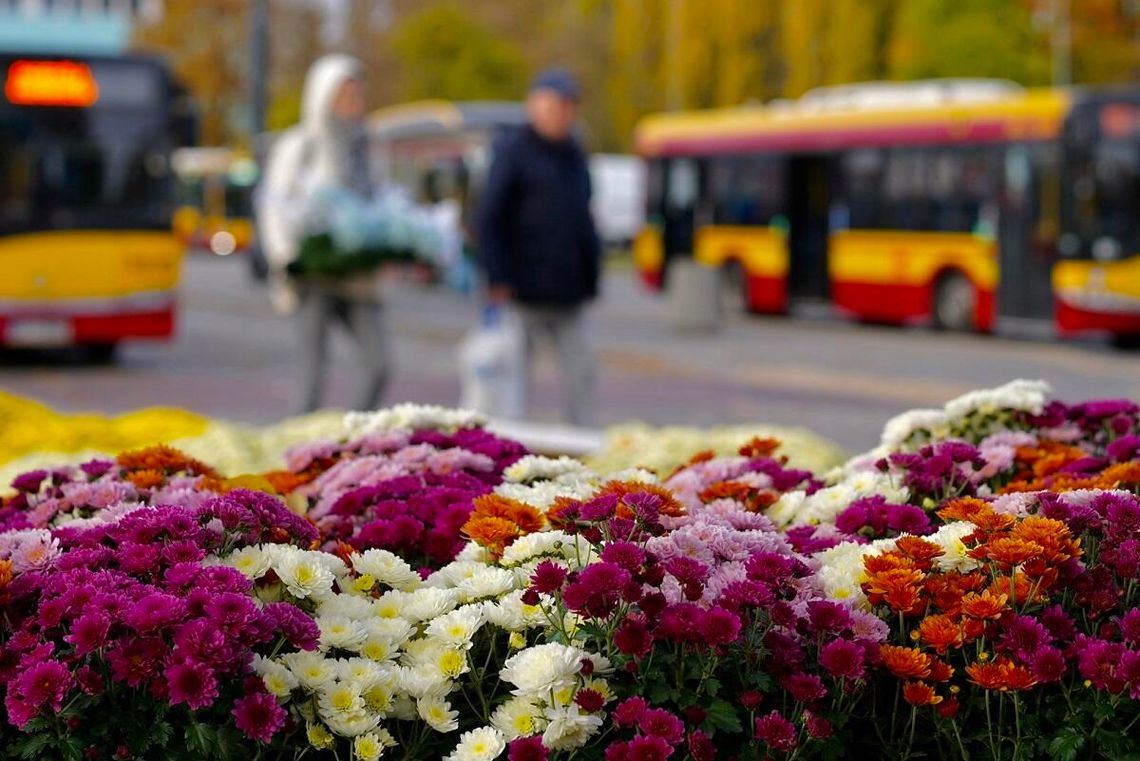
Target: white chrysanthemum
x,y
341,633
786,509
486,582
352,724
386,568
395,630
404,708
825,505
363,673
436,711
841,570
390,604
483,744
423,681
312,670
305,575
340,699
278,679
569,728
409,417
253,562
473,553
539,468
1020,394
350,606
949,539
458,627
519,717
427,603
367,747
634,475
319,737
453,573
542,544
543,493
541,668
901,427
512,614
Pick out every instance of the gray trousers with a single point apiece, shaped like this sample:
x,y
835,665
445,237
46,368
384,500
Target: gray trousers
x,y
567,330
364,321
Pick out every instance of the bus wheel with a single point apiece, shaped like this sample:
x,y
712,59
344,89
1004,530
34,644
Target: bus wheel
x,y
100,354
955,303
1126,341
732,286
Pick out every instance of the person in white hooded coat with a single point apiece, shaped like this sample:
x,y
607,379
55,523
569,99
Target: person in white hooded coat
x,y
326,151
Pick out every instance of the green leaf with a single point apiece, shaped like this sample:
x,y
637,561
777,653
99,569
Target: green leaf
x,y
34,746
1066,744
199,739
722,715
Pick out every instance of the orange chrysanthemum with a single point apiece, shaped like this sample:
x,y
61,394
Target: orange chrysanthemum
x,y
1001,675
164,459
940,671
527,518
5,573
286,482
987,605
905,662
1122,474
1008,551
964,509
992,523
562,511
760,447
888,561
920,694
945,590
921,551
1017,589
668,506
940,632
898,588
146,479
491,532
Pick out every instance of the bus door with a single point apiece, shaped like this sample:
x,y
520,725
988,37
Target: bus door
x,y
809,200
1026,256
682,194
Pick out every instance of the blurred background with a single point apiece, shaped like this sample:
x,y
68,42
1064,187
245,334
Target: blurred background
x,y
815,212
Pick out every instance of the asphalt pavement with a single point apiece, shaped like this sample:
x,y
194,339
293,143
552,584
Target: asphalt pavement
x,y
234,358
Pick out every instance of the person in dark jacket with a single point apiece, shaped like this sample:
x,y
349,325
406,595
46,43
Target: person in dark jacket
x,y
537,241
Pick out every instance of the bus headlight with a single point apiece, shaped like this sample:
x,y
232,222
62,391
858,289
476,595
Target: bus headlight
x,y
1105,249
223,243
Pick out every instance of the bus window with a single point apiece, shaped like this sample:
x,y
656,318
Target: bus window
x,y
746,190
862,172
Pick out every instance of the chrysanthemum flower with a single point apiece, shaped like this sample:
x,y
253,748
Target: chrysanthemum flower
x,y
1001,675
920,694
940,632
259,716
905,662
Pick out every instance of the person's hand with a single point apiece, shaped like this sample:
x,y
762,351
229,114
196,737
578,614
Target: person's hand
x,y
499,295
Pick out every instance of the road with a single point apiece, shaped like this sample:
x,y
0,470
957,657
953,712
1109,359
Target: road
x,y
233,357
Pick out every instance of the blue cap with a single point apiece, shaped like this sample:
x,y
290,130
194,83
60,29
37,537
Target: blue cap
x,y
560,81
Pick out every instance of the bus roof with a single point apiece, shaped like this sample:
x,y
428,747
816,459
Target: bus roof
x,y
431,118
875,114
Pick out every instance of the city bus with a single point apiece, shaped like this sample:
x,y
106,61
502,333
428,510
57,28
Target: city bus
x,y
962,204
215,199
87,252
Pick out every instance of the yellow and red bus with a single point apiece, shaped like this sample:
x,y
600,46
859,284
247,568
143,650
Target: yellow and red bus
x,y
215,200
87,254
957,203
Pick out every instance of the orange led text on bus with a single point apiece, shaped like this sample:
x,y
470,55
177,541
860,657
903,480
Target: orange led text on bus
x,y
50,83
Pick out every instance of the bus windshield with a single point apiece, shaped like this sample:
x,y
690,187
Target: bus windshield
x,y
100,165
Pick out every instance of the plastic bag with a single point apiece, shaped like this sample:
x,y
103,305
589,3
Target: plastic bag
x,y
492,361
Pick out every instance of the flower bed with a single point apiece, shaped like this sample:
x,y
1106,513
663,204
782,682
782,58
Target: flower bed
x,y
420,588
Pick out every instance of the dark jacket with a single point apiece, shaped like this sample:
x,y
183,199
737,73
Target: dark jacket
x,y
535,231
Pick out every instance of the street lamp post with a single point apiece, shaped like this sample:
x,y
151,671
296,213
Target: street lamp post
x,y
1062,42
259,66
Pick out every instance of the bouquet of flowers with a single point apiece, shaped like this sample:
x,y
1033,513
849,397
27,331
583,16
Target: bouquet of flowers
x,y
347,234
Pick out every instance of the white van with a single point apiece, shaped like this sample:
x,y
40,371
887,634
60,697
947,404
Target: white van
x,y
619,197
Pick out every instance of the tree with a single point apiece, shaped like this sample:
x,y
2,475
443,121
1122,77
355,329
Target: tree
x,y
205,43
968,38
444,53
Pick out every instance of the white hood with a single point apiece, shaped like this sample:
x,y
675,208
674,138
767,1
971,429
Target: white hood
x,y
321,85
